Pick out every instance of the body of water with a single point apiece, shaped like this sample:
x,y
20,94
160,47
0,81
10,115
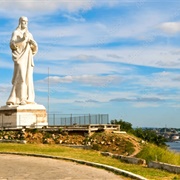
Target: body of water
x,y
174,146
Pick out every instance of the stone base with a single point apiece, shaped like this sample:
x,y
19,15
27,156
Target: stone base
x,y
30,116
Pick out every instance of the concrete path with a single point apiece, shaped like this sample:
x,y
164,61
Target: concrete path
x,y
15,167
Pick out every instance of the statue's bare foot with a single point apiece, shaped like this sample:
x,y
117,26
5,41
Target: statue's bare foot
x,y
23,103
9,103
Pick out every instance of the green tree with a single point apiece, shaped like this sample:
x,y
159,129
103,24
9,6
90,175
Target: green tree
x,y
124,126
146,134
150,136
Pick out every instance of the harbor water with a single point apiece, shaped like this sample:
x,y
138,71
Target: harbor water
x,y
174,146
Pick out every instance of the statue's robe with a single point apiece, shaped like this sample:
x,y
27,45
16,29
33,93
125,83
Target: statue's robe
x,y
22,81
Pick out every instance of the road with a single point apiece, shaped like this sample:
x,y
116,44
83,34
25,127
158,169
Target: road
x,y
16,167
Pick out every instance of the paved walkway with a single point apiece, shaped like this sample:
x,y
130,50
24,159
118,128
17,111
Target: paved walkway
x,y
15,167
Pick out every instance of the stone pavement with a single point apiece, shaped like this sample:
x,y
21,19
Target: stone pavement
x,y
15,167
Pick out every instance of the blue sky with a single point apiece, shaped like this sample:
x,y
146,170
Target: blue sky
x,y
117,57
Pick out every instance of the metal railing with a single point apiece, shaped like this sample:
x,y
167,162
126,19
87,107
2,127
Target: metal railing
x,y
77,119
20,120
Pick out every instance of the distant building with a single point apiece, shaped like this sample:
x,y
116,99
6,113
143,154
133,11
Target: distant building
x,y
174,137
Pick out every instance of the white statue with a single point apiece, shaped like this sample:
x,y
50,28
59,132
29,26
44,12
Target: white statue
x,y
23,47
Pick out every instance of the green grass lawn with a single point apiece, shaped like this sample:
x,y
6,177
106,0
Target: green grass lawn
x,y
87,155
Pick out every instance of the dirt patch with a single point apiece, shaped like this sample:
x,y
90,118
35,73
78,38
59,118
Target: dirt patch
x,y
122,144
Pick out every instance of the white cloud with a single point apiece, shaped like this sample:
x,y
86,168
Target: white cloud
x,y
102,81
138,99
68,67
78,34
74,18
146,55
164,80
33,8
170,27
88,40
145,104
72,39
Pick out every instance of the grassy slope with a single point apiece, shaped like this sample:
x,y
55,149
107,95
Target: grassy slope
x,y
151,152
88,155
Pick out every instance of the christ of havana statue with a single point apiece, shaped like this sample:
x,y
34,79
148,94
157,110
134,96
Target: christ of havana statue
x,y
23,47
21,109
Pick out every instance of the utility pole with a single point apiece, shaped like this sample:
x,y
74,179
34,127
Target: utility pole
x,y
48,93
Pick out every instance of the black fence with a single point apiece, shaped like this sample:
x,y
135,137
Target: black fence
x,y
35,120
77,119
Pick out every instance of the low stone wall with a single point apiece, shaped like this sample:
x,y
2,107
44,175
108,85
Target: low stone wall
x,y
128,159
13,141
164,166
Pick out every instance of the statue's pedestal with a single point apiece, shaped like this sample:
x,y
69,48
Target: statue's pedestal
x,y
30,115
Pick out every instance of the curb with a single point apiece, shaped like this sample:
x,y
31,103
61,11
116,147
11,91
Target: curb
x,y
109,168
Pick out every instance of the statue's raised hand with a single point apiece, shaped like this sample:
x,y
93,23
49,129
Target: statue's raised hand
x,y
26,37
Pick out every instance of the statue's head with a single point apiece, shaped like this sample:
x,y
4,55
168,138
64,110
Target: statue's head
x,y
23,22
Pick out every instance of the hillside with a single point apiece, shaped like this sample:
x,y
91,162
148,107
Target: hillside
x,y
123,144
116,143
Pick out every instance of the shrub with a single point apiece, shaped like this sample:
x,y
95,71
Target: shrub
x,y
96,147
